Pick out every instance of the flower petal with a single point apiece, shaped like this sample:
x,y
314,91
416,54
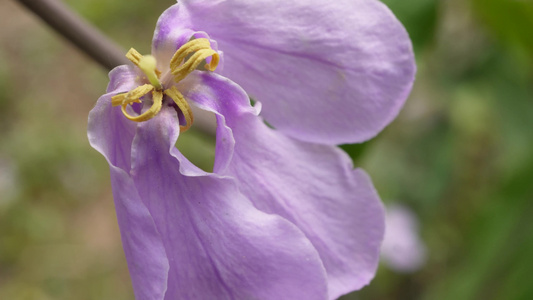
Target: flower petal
x,y
173,31
326,71
313,186
220,103
219,245
111,134
147,260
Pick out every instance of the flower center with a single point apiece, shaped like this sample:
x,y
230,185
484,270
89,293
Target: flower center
x,y
191,56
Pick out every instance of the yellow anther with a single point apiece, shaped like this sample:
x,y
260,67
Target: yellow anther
x,y
134,56
178,98
188,49
194,61
198,50
118,99
139,91
132,96
157,97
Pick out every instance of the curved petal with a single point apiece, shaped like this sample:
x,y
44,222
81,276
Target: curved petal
x,y
172,31
313,186
219,245
326,71
220,101
111,134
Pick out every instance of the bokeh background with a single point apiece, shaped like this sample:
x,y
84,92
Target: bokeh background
x,y
459,157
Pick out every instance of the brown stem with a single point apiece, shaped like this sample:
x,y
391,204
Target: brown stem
x,y
82,34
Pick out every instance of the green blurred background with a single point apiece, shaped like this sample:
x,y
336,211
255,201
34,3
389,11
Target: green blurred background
x,y
459,155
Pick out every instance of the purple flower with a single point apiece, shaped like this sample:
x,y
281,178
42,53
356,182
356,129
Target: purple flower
x,y
402,250
283,215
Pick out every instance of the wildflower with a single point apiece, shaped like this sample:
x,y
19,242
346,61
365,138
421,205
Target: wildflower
x,y
283,215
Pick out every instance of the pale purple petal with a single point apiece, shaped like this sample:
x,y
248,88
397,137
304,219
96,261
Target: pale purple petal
x,y
173,29
221,102
122,79
219,246
314,186
402,249
111,134
326,71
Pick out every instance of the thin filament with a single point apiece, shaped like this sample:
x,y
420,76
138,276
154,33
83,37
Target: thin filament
x,y
157,97
180,101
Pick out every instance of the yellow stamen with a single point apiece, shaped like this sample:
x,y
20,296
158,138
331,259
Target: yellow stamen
x,y
157,97
134,56
131,96
188,58
200,50
134,96
183,106
118,99
186,50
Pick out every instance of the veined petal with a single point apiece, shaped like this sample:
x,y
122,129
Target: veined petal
x,y
326,71
313,186
172,31
316,188
111,134
122,79
146,257
219,246
220,102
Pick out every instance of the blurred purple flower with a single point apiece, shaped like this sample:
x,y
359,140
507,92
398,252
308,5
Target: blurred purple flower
x,y
402,250
283,215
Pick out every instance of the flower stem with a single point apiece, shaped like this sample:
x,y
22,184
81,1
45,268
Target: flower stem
x,y
82,34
